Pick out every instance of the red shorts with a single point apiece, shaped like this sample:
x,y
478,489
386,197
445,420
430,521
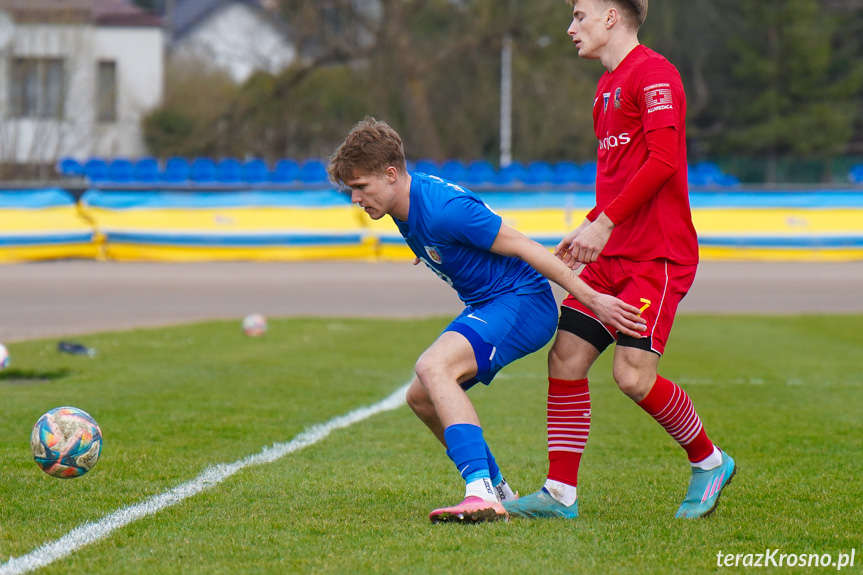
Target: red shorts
x,y
655,286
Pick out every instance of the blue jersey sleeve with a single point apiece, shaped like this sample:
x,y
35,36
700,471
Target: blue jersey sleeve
x,y
467,220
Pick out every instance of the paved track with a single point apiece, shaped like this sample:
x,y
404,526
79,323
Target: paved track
x,y
54,299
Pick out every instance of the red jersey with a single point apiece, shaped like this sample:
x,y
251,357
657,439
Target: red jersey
x,y
643,94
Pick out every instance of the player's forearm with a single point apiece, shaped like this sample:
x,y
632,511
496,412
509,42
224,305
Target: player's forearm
x,y
660,166
558,272
512,243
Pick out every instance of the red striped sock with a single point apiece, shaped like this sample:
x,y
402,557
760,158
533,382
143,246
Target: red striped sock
x,y
568,421
671,407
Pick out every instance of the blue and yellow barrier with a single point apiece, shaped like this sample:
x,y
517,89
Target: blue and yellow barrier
x,y
201,226
270,225
771,226
43,225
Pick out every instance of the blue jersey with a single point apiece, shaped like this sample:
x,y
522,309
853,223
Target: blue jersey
x,y
451,230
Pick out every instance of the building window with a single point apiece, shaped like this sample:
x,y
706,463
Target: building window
x,y
37,88
106,99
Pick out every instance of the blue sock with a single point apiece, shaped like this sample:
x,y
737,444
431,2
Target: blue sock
x,y
467,449
493,469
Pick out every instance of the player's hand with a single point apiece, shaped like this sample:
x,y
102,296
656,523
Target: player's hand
x,y
620,315
416,261
587,246
563,251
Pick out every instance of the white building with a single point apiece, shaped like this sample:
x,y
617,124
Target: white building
x,y
239,36
78,75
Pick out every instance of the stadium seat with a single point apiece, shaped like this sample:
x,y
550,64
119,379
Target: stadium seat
x,y
480,172
856,174
229,171
427,167
588,173
515,173
452,170
539,173
120,170
709,171
176,170
255,172
285,171
566,173
146,170
314,172
96,170
70,167
695,177
728,180
710,174
203,170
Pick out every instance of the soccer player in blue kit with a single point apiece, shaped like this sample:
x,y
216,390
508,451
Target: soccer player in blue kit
x,y
510,310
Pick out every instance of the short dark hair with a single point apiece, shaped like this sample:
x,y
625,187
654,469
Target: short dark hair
x,y
369,148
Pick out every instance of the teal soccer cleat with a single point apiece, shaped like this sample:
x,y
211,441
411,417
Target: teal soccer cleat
x,y
540,505
705,488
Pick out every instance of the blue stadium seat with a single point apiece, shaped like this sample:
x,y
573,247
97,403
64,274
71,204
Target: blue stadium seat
x,y
695,177
120,170
515,173
480,172
146,170
176,170
708,171
255,171
427,167
728,180
539,173
285,171
588,173
96,170
710,174
70,167
452,170
229,171
856,174
567,173
203,170
314,172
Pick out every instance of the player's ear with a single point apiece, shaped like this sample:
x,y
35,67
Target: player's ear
x,y
392,173
611,17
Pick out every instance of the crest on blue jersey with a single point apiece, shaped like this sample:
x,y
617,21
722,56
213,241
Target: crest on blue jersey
x,y
434,254
617,102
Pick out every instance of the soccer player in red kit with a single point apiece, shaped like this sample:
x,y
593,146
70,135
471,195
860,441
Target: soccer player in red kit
x,y
638,243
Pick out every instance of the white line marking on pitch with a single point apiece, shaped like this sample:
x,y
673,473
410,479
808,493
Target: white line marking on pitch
x,y
211,476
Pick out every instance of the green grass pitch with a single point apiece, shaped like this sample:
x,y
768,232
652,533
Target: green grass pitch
x,y
783,395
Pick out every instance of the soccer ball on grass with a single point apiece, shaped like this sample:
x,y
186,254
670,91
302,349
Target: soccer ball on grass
x,y
66,442
254,325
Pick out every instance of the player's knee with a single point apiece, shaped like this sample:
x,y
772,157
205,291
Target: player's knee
x,y
418,400
633,382
428,372
563,364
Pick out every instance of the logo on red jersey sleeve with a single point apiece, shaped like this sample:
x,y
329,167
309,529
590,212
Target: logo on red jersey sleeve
x,y
658,97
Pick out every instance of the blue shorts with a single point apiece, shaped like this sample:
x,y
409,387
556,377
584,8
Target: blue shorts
x,y
506,329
